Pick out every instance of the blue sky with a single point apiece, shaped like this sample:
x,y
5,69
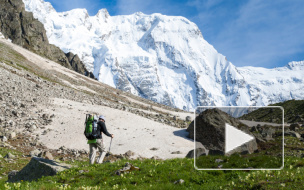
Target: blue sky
x,y
262,33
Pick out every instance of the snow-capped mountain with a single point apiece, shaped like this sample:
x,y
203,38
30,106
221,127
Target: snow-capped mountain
x,y
163,58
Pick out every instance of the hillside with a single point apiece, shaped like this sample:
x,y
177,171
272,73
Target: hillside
x,y
34,89
293,113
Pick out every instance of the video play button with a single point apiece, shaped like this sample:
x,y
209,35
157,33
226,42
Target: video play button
x,y
235,138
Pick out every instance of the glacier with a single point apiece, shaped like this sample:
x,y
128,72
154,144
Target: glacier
x,y
164,59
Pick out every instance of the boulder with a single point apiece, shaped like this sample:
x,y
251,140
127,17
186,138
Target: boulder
x,y
198,152
47,155
210,131
292,133
267,131
35,152
294,127
129,153
188,118
37,168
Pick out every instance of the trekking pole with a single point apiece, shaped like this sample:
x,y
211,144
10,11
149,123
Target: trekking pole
x,y
110,145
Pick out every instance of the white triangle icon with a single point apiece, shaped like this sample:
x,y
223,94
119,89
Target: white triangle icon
x,y
235,138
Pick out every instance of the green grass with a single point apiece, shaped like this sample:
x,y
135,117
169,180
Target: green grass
x,y
293,112
154,174
241,161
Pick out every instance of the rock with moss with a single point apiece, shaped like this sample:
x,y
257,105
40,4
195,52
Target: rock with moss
x,y
37,168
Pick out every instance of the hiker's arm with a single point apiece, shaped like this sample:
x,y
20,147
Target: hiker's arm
x,y
104,129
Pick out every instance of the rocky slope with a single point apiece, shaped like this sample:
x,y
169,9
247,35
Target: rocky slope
x,y
164,59
23,29
47,103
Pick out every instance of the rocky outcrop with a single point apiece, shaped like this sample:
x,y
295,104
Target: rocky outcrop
x,y
210,131
37,168
23,29
77,65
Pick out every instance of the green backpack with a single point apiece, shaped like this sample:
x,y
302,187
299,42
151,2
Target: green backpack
x,y
90,130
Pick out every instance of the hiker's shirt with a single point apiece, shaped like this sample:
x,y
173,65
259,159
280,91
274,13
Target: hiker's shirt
x,y
101,128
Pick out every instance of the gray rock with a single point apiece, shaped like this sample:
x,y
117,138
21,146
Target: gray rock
x,y
37,168
9,156
198,152
129,153
210,131
188,118
3,139
128,168
253,129
180,181
47,155
35,152
12,135
219,160
155,158
292,133
11,174
260,140
294,127
267,131
176,152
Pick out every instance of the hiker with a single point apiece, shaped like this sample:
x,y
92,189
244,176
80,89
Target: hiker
x,y
98,142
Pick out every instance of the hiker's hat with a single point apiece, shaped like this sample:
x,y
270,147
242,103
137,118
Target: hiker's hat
x,y
102,117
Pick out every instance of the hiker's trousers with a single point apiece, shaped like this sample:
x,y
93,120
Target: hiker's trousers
x,y
93,149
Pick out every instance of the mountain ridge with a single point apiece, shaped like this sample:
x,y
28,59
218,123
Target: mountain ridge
x,y
162,58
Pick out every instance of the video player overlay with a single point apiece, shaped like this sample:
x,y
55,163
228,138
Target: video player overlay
x,y
238,138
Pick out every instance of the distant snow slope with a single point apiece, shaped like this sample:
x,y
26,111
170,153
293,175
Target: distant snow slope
x,y
163,58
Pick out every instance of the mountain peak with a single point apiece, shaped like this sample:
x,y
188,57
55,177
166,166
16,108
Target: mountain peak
x,y
164,59
103,13
296,65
